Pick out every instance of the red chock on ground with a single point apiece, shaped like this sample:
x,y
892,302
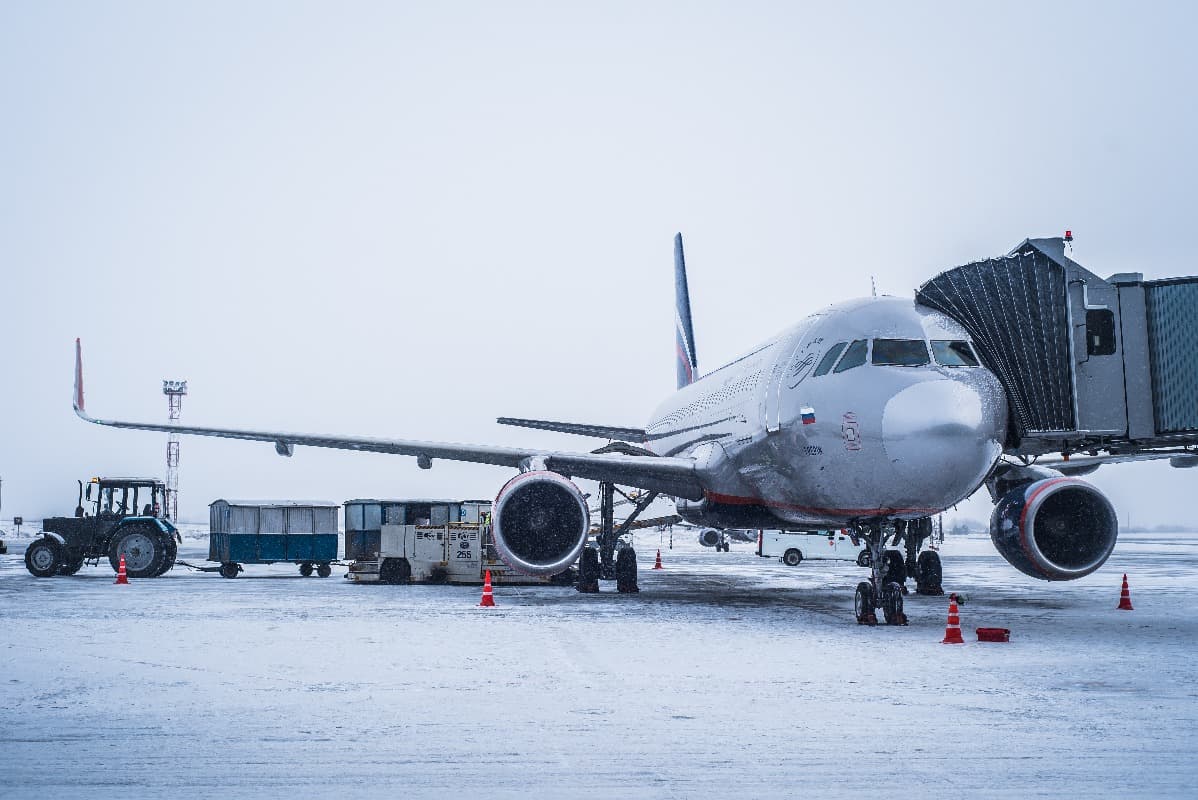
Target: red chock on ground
x,y
1125,596
488,600
121,576
993,634
952,631
657,564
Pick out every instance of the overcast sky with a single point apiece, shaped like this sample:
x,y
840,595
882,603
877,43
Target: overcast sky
x,y
409,219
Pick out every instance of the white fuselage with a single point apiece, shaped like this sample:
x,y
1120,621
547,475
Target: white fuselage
x,y
782,446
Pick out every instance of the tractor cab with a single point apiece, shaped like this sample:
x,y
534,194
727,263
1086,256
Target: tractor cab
x,y
117,498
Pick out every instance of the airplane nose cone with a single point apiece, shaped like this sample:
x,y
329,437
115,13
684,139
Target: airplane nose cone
x,y
942,436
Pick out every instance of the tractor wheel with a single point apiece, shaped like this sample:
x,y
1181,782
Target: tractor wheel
x,y
144,549
172,552
71,566
395,570
43,557
864,559
306,569
324,570
229,570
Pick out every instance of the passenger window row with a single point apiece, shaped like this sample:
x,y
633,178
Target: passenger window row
x,y
896,353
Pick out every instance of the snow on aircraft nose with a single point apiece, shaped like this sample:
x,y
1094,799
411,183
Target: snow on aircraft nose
x,y
943,436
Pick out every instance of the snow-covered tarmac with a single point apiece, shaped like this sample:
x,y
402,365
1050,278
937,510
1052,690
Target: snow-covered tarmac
x,y
727,675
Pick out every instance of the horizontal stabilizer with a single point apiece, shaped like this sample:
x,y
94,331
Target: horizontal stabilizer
x,y
598,431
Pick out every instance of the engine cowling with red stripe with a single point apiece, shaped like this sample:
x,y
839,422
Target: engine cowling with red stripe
x,y
1056,529
540,523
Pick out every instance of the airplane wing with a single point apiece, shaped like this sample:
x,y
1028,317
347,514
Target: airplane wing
x,y
670,475
598,431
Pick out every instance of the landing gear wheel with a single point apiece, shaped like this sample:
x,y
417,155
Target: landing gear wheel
x,y
863,558
229,570
863,604
305,569
588,571
892,604
792,557
395,570
626,571
929,575
894,568
324,570
143,547
70,567
43,558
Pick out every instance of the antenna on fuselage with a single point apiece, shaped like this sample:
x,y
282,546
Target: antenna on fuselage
x,y
873,286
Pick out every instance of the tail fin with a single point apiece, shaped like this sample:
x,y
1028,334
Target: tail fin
x,y
688,364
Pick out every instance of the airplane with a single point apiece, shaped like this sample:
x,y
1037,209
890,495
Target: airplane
x,y
872,415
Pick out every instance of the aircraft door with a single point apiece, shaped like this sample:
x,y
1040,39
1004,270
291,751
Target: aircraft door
x,y
793,364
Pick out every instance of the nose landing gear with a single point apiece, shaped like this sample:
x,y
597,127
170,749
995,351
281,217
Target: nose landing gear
x,y
881,591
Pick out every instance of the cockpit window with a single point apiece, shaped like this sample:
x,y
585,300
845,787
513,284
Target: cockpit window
x,y
953,354
900,352
854,356
829,359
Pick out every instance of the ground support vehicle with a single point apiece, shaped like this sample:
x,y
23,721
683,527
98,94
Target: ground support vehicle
x,y
109,529
425,541
794,547
269,531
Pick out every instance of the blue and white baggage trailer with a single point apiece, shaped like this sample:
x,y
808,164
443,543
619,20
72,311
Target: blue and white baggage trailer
x,y
302,532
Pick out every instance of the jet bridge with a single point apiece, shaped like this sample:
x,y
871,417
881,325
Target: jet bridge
x,y
1087,363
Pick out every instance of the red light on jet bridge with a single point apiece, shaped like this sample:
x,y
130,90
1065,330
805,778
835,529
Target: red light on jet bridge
x,y
1069,236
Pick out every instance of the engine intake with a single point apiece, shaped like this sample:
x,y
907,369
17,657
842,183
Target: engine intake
x,y
709,537
1057,529
541,522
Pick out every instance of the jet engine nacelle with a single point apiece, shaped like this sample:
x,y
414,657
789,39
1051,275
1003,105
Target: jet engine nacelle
x,y
540,523
709,537
1057,529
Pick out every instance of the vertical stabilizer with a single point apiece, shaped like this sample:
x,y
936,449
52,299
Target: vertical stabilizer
x,y
684,332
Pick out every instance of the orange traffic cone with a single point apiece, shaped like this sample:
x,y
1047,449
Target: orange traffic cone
x,y
488,600
121,577
952,632
657,564
1125,596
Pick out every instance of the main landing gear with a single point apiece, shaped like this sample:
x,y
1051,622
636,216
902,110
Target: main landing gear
x,y
881,591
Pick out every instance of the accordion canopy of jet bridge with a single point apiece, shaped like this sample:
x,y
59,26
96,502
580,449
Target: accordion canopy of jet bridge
x,y
1087,363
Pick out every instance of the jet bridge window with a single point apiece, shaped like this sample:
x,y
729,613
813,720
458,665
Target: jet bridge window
x,y
829,359
1100,332
900,352
953,353
854,356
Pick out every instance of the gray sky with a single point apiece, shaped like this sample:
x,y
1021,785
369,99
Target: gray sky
x,y
381,219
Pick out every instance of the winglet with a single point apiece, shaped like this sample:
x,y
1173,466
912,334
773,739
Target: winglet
x,y
77,400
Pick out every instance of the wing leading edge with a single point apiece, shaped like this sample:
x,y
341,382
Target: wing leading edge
x,y
670,475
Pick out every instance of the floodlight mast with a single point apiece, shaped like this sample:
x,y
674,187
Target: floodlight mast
x,y
174,391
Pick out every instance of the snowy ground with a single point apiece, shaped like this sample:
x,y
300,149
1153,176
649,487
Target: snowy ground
x,y
728,674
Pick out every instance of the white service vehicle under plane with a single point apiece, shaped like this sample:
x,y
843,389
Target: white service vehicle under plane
x,y
874,415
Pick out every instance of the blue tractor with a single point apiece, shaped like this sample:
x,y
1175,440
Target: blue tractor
x,y
110,527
